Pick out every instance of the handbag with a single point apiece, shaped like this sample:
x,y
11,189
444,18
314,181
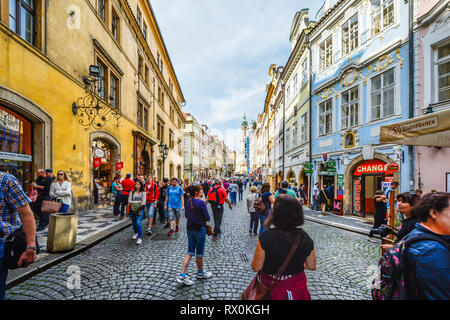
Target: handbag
x,y
209,230
15,246
49,206
257,290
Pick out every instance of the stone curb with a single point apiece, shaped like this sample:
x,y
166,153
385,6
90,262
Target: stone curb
x,y
19,275
338,225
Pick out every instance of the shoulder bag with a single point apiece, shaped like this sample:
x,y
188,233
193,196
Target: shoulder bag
x,y
15,246
49,206
135,208
209,230
257,290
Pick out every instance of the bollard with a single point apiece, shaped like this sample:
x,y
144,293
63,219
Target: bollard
x,y
62,232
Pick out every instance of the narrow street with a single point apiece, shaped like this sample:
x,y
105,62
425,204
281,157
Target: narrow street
x,y
118,269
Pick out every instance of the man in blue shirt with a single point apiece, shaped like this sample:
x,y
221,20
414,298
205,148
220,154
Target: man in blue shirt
x,y
15,213
174,205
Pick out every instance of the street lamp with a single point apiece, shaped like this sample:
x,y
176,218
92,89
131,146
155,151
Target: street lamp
x,y
164,151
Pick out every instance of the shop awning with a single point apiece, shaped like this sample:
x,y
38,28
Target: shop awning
x,y
431,130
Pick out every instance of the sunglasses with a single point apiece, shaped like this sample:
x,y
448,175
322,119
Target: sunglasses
x,y
60,174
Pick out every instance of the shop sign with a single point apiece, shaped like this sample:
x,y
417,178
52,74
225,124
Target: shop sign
x,y
389,179
97,162
340,192
370,167
331,165
308,166
324,157
357,196
386,184
119,166
9,135
340,180
392,167
15,156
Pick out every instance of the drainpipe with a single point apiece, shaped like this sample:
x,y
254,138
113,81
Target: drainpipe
x,y
411,89
308,44
284,124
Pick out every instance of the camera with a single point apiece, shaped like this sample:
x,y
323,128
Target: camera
x,y
382,231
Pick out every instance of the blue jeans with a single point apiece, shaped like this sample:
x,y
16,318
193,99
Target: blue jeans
x,y
137,223
241,191
151,210
196,242
262,218
254,222
3,277
233,197
64,208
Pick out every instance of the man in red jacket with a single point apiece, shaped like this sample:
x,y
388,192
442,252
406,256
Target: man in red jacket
x,y
217,196
127,186
152,190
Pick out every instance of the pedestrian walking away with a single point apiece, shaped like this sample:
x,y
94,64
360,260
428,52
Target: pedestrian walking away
x,y
316,191
217,197
323,201
174,205
251,210
275,245
15,214
161,201
302,194
152,194
137,200
241,189
233,192
61,189
196,215
285,190
127,187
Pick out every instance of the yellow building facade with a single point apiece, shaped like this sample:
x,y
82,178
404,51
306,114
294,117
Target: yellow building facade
x,y
46,50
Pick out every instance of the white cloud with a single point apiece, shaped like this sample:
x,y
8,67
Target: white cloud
x,y
222,50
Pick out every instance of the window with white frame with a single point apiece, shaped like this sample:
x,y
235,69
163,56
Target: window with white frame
x,y
295,134
382,95
304,128
325,117
326,53
288,93
382,15
350,108
350,35
304,72
288,139
442,67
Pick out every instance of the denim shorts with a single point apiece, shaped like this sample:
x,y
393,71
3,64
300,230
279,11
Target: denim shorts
x,y
150,210
196,242
173,213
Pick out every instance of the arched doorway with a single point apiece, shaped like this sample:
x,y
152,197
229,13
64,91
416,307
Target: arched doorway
x,y
171,173
362,179
304,179
107,148
179,172
290,177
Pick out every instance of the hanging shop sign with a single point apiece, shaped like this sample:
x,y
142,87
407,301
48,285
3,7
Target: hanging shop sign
x,y
119,166
99,153
357,196
392,167
97,162
331,165
325,157
308,168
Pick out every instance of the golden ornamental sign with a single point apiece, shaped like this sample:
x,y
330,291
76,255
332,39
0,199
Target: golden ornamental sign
x,y
383,63
349,78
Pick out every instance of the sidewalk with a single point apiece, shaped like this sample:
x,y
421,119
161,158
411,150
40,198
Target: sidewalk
x,y
94,226
347,222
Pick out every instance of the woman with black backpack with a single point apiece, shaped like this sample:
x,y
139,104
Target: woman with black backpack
x,y
267,199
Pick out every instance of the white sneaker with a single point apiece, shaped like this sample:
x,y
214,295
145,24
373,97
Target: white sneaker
x,y
135,236
204,275
186,281
139,241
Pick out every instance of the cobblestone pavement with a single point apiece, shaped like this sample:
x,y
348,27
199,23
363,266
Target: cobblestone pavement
x,y
119,269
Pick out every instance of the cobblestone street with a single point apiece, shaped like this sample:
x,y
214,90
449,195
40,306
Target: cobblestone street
x,y
119,269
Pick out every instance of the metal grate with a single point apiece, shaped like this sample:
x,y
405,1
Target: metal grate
x,y
243,257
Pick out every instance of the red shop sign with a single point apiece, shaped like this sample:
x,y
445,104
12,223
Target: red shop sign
x,y
119,165
97,162
370,167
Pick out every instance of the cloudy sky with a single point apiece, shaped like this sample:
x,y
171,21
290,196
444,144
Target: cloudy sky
x,y
221,51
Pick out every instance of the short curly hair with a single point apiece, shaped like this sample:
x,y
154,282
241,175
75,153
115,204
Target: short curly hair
x,y
431,201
